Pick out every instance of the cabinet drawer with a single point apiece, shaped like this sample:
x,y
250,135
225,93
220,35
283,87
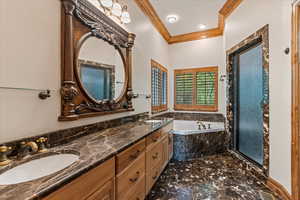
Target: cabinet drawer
x,y
166,130
125,158
86,184
106,192
130,176
138,192
152,176
153,138
154,156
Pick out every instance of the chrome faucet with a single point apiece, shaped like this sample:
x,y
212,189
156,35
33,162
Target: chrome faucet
x,y
201,124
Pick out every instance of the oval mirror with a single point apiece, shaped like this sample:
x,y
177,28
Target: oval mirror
x,y
101,70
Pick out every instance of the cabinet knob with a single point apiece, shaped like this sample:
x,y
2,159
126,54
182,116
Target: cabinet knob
x,y
155,156
133,180
134,156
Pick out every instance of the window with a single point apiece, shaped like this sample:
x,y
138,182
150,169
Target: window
x,y
159,84
97,79
196,89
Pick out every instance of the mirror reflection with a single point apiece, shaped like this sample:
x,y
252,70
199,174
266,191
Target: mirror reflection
x,y
101,70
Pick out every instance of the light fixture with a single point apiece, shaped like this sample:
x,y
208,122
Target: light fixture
x,y
125,17
115,10
106,3
172,19
202,26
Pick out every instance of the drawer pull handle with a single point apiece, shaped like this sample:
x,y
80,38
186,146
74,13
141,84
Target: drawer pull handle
x,y
155,176
133,180
155,156
134,156
154,139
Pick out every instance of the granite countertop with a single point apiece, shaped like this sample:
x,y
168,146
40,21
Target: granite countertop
x,y
92,149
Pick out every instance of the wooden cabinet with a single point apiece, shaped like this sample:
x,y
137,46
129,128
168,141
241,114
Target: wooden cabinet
x,y
153,138
125,158
138,192
165,144
96,182
152,176
106,192
130,175
129,178
157,154
154,155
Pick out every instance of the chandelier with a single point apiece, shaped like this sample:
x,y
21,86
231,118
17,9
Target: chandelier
x,y
114,8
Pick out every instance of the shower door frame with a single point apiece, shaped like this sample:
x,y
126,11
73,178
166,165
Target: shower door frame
x,y
262,37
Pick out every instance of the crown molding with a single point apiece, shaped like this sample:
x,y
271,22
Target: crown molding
x,y
224,12
149,11
215,32
229,7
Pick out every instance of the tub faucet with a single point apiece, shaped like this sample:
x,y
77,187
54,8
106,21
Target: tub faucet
x,y
201,124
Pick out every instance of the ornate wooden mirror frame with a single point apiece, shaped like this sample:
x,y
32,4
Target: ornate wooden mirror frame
x,y
80,20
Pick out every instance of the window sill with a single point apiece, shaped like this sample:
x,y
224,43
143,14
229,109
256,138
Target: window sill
x,y
196,108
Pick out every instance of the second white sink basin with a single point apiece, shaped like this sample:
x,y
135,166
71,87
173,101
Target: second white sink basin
x,y
37,168
153,121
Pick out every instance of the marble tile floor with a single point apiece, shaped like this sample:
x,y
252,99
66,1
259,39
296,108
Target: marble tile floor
x,y
217,177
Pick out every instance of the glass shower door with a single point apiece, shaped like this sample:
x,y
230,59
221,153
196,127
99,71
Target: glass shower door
x,y
249,103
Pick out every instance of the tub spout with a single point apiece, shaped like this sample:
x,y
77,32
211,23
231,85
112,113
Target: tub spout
x,y
201,124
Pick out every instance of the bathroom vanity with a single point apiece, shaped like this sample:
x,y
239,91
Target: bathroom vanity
x,y
130,174
121,162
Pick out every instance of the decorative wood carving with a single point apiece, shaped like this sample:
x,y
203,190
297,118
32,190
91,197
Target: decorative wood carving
x,y
79,20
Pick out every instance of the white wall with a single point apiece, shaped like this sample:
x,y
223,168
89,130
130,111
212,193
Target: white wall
x,y
200,53
248,18
30,57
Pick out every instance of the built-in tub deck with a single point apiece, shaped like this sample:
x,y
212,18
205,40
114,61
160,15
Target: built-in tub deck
x,y
194,139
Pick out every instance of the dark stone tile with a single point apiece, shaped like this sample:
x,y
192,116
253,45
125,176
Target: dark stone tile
x,y
198,145
213,117
217,177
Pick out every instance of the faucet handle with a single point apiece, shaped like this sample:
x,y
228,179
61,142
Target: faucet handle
x,y
42,140
4,150
42,144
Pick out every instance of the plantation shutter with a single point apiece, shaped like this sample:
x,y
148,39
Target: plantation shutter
x,y
184,88
155,86
206,89
159,85
196,89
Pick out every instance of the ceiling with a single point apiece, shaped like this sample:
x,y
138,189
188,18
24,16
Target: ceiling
x,y
191,14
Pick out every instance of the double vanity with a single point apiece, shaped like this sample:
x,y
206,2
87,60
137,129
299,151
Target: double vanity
x,y
123,162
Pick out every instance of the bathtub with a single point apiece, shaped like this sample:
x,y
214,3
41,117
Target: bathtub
x,y
190,142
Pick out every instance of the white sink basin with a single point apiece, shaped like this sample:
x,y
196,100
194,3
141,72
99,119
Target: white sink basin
x,y
37,168
153,121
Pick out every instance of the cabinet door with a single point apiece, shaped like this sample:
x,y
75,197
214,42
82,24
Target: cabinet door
x,y
165,143
106,192
86,184
154,155
130,177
